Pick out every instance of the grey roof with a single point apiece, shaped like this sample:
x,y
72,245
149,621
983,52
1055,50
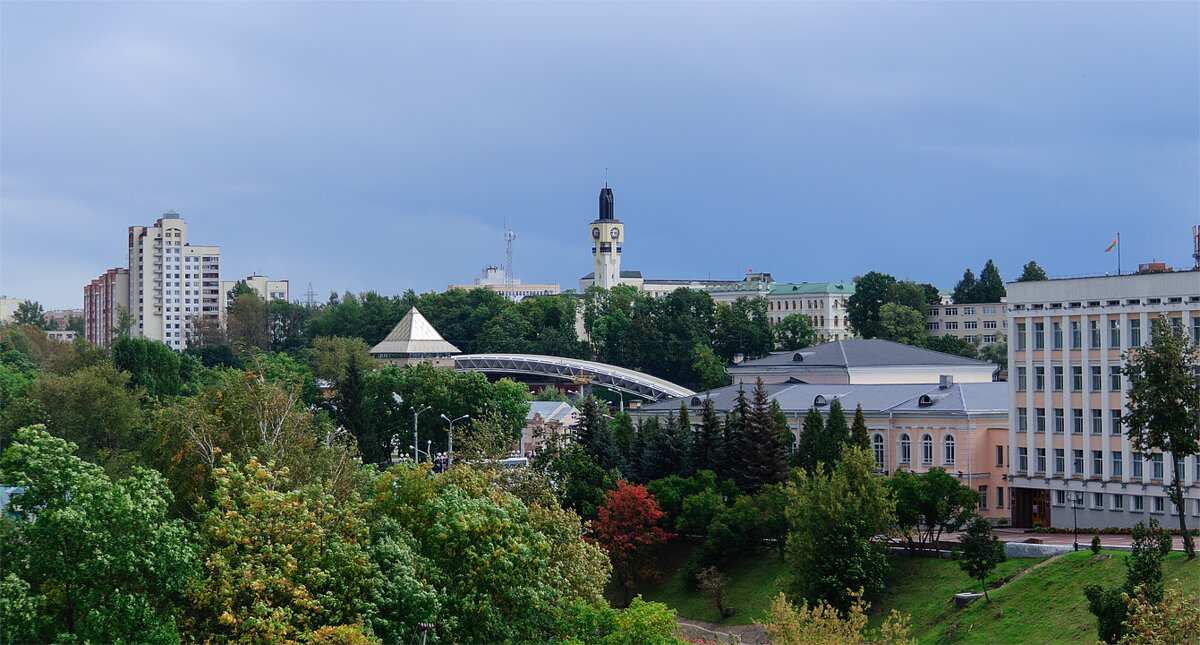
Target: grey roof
x,y
959,398
624,274
551,411
858,353
414,335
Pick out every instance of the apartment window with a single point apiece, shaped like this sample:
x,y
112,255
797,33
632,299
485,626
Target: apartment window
x,y
1060,421
1060,461
933,312
1094,333
1135,332
1114,378
1097,462
989,338
970,324
1158,505
1023,459
1039,379
1057,338
1077,421
1097,378
905,449
951,311
1118,502
932,326
1020,335
1022,420
989,310
1116,422
1098,500
1076,378
877,448
1058,378
1137,465
948,450
951,325
927,450
968,311
999,497
1076,462
1097,422
1040,421
999,455
989,324
1117,463
1041,460
1139,503
1039,335
1076,335
1021,378
1114,333
1156,466
983,497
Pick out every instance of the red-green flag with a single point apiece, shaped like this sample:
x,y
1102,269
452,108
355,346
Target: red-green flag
x,y
1111,246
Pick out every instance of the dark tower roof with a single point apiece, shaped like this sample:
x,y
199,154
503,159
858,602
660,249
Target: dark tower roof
x,y
606,203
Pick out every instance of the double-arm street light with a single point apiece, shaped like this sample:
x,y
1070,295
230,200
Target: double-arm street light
x,y
450,439
416,412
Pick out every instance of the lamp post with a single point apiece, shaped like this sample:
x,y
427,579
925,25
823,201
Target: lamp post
x,y
416,411
1076,502
450,438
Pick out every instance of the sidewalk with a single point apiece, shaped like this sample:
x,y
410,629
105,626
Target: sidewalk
x,y
1119,542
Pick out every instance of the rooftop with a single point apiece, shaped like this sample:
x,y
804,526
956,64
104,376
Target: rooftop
x,y
846,288
794,398
414,335
858,353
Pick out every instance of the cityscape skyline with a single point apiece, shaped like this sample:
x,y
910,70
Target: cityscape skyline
x,y
380,147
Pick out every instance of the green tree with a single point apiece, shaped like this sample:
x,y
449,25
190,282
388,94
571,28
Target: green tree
x,y
837,433
1164,405
991,285
150,364
979,551
808,450
1031,272
29,312
331,355
928,504
247,321
901,324
101,558
833,516
707,368
858,430
871,291
1143,577
996,353
761,457
594,436
580,484
507,333
708,450
795,331
966,290
742,327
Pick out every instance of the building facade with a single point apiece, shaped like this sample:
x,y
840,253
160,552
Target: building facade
x,y
861,362
494,278
171,281
1071,452
265,287
824,302
987,322
104,299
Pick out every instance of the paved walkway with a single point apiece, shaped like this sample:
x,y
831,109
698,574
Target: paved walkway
x,y
718,633
1123,542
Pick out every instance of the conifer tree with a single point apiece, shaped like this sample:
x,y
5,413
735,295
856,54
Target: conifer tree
x,y
858,431
805,455
660,457
964,291
837,435
708,449
760,456
594,436
735,427
991,285
684,438
787,440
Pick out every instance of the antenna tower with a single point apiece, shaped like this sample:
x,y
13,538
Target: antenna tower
x,y
310,296
510,236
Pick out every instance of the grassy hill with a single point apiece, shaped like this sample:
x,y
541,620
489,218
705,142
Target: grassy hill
x,y
1042,604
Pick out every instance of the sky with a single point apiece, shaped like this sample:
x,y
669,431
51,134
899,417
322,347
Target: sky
x,y
385,145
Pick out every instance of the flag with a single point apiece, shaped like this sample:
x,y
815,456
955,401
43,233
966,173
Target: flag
x,y
1112,246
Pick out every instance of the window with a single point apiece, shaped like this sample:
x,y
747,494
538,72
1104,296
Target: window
x,y
1076,378
1060,421
1058,378
1023,459
983,497
1022,420
1196,329
989,310
877,448
1020,335
927,450
905,449
1116,422
1135,332
932,326
1139,503
989,324
1097,378
1156,466
999,497
970,324
1114,333
951,311
1097,422
1039,379
1137,466
1060,497
1158,504
1076,335
1021,378
948,450
1057,338
1118,502
1077,421
1060,461
933,312
1114,378
1117,463
1076,462
999,455
1041,460
968,311
1039,335
1094,333
989,338
1040,425
951,325
1097,463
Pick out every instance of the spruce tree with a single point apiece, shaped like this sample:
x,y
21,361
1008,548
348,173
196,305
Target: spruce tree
x,y
964,291
594,436
805,455
836,435
708,449
735,427
661,457
760,455
787,440
858,431
624,434
991,285
684,438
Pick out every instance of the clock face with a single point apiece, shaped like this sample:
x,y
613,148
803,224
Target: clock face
x,y
614,233
596,233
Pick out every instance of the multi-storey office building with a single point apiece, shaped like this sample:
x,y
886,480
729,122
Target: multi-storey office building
x,y
103,301
1069,447
171,281
824,302
986,321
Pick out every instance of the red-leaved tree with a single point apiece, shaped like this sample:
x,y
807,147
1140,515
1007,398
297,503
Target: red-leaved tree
x,y
627,527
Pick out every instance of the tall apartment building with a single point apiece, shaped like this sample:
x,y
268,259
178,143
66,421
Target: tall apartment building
x,y
1069,449
824,302
101,300
986,321
171,281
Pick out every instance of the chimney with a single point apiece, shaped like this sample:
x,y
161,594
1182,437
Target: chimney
x,y
738,358
945,381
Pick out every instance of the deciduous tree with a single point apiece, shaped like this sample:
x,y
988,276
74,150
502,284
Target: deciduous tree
x,y
627,528
795,331
979,551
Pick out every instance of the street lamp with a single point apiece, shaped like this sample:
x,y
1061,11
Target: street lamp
x,y
1076,502
416,411
450,439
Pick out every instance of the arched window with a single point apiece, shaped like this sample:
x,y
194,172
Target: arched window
x,y
905,449
877,448
948,450
835,321
927,450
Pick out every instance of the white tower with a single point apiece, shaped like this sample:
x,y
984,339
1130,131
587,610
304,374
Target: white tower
x,y
607,235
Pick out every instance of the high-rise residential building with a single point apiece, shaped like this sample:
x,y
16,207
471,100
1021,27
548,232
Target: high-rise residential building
x,y
171,281
1070,452
103,301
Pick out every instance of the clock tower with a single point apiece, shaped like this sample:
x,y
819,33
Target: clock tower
x,y
606,234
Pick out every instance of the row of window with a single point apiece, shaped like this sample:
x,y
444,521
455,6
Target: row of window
x,y
966,311
926,450
1058,379
1116,502
1080,466
1060,421
1054,336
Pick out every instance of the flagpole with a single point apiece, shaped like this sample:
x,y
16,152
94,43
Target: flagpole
x,y
1118,253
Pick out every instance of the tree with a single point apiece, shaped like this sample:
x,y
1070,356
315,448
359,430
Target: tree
x,y
150,365
795,331
761,457
1164,405
996,353
240,288
979,551
1143,578
834,513
966,289
714,585
901,324
928,504
991,286
742,327
580,484
871,292
627,528
594,436
374,439
101,558
809,449
837,434
507,333
824,624
331,355
858,431
1031,272
708,370
29,312
708,450
1176,619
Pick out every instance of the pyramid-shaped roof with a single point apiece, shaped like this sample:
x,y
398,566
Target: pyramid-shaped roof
x,y
414,335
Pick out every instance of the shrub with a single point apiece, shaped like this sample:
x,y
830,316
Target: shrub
x,y
1096,544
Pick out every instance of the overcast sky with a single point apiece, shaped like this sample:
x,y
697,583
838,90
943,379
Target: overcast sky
x,y
382,145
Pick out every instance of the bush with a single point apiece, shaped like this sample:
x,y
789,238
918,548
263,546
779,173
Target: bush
x,y
1096,544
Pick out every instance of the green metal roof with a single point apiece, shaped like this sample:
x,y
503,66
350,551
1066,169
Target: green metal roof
x,y
785,288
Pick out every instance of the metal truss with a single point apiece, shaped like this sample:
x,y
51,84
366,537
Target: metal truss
x,y
569,369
